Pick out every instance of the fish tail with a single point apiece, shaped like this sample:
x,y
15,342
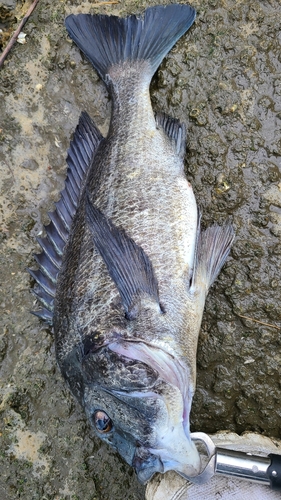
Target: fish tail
x,y
110,40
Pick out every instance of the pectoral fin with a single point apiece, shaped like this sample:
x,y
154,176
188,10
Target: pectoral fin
x,y
127,263
213,248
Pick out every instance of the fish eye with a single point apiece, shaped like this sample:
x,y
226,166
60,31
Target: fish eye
x,y
102,422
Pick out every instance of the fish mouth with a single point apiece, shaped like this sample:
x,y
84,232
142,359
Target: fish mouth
x,y
180,455
173,448
146,464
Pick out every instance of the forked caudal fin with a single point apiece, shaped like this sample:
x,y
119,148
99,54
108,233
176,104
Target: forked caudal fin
x,y
109,40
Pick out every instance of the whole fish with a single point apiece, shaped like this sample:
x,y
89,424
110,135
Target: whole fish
x,y
125,269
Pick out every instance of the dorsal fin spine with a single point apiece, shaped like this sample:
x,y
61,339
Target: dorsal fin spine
x,y
71,162
47,266
56,220
43,281
50,251
68,203
74,184
64,216
55,238
71,192
44,314
44,297
81,151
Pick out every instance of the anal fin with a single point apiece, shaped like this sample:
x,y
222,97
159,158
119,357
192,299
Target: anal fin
x,y
214,245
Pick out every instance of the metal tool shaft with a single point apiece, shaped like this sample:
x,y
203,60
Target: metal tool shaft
x,y
242,465
232,463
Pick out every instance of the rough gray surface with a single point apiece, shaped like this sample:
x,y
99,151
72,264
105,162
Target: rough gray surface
x,y
223,80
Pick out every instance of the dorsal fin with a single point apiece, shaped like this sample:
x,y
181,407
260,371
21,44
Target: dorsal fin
x,y
174,129
80,154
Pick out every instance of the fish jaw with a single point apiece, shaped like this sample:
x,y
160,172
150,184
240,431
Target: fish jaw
x,y
178,452
175,452
146,464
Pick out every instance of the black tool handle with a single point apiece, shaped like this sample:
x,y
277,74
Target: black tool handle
x,y
274,472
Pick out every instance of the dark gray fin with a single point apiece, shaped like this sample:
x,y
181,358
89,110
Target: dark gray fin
x,y
50,252
47,266
45,298
43,281
191,276
45,315
109,40
80,154
127,263
174,129
213,248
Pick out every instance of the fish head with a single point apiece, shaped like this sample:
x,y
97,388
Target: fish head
x,y
137,399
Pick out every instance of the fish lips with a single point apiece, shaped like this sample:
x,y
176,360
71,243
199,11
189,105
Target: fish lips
x,y
146,464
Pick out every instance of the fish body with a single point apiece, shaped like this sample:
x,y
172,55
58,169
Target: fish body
x,y
125,269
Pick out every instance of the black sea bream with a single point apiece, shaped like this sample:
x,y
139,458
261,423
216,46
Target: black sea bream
x,y
125,270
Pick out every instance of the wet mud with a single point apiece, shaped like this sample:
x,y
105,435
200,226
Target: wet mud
x,y
223,80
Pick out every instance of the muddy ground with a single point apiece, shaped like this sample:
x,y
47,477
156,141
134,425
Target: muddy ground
x,y
223,80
